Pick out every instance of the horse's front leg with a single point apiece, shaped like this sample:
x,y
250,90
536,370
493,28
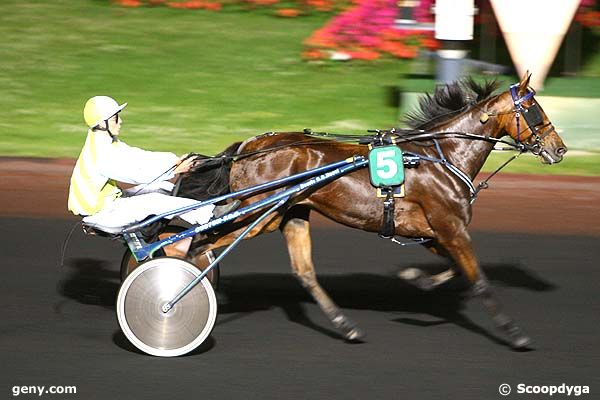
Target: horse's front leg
x,y
424,280
457,244
296,230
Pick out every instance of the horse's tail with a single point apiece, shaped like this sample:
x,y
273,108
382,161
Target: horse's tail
x,y
210,178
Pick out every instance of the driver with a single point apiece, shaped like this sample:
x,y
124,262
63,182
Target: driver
x,y
106,160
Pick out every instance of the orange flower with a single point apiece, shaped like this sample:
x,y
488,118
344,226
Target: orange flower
x,y
389,47
320,5
313,54
320,39
195,5
288,12
213,6
392,34
405,52
129,3
176,5
430,43
364,54
590,19
263,2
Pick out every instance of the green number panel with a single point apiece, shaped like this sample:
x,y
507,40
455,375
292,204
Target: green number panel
x,y
386,167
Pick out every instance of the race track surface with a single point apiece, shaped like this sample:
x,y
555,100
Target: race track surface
x,y
271,341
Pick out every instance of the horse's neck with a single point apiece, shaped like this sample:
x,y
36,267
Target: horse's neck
x,y
469,155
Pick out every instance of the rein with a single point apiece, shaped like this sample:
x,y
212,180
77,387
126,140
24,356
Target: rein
x,y
367,139
402,136
532,115
171,168
484,184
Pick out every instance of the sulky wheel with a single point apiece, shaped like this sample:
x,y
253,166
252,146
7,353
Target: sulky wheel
x,y
203,260
142,296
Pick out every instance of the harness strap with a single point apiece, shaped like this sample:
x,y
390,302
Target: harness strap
x,y
545,130
388,228
457,172
518,116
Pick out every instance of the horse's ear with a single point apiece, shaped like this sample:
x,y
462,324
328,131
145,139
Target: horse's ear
x,y
524,84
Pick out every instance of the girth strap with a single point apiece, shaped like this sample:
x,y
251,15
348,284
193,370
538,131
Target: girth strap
x,y
388,228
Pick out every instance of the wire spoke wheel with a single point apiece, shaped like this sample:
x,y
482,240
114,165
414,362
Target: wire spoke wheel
x,y
142,296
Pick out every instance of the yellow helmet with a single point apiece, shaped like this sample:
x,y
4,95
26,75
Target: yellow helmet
x,y
100,108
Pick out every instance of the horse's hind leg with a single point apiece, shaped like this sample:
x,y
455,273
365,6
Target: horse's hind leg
x,y
295,229
459,248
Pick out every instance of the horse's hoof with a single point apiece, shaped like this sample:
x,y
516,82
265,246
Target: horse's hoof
x,y
521,342
518,340
355,335
351,332
417,278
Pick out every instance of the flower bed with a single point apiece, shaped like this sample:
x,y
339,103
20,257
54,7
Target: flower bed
x,y
362,29
281,8
367,31
588,15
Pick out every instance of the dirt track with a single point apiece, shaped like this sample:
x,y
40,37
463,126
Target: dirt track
x,y
514,203
271,341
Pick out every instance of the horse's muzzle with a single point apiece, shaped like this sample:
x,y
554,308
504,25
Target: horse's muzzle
x,y
552,156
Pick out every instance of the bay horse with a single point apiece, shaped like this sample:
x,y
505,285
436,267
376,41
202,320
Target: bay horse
x,y
467,119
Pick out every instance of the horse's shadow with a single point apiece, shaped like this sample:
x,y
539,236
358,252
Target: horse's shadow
x,y
247,293
90,281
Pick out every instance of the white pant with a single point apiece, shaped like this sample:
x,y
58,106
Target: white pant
x,y
127,210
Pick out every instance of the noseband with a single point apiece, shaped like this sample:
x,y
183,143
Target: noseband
x,y
534,120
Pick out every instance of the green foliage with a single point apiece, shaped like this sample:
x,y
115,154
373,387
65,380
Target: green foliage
x,y
194,80
593,67
574,163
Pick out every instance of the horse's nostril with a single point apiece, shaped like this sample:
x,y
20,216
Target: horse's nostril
x,y
561,151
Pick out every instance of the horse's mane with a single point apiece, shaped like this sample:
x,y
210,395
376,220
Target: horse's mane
x,y
210,178
449,100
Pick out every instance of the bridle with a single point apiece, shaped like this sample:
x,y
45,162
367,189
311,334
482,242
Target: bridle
x,y
535,122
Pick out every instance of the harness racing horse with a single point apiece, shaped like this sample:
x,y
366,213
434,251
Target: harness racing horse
x,y
464,118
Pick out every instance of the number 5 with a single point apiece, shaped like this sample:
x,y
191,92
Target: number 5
x,y
386,166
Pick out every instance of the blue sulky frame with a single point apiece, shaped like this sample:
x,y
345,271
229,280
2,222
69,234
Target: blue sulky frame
x,y
324,174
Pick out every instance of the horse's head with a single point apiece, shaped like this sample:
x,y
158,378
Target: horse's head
x,y
528,124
